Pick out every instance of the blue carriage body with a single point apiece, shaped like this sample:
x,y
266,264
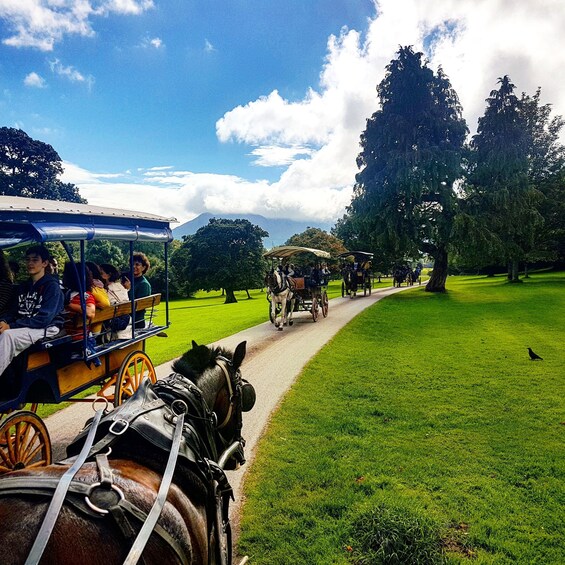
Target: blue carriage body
x,y
25,221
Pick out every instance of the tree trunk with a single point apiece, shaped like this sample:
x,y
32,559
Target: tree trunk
x,y
526,274
514,274
230,296
248,295
439,273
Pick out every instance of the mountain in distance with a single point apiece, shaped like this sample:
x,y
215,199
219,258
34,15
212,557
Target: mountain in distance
x,y
280,230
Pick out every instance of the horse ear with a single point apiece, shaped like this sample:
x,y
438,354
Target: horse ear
x,y
194,344
239,354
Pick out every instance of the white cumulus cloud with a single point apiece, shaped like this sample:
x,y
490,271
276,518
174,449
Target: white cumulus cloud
x,y
70,73
34,80
40,24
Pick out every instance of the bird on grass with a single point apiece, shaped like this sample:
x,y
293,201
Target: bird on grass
x,y
534,356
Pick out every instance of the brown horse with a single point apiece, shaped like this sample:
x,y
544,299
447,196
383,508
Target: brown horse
x,y
112,493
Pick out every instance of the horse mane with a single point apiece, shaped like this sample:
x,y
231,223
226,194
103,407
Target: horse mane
x,y
194,362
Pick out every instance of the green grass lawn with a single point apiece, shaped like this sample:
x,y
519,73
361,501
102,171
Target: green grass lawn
x,y
422,433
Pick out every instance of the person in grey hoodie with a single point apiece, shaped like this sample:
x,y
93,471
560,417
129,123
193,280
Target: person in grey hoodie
x,y
39,311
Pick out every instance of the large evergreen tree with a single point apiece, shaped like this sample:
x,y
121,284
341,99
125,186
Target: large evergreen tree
x,y
224,254
546,172
31,168
404,199
499,209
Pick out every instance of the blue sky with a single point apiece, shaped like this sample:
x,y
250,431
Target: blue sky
x,y
250,106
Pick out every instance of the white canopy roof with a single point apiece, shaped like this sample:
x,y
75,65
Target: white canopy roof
x,y
19,204
286,251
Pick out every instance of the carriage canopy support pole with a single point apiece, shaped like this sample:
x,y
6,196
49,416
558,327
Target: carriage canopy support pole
x,y
166,283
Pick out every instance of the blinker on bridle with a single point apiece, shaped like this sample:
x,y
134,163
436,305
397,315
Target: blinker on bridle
x,y
241,392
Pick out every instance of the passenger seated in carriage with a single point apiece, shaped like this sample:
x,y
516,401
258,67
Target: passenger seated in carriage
x,y
289,270
325,273
142,287
119,327
73,305
315,275
39,309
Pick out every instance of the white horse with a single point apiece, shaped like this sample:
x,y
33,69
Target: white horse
x,y
281,296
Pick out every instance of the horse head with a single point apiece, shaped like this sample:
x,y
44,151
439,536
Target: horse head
x,y
276,282
216,373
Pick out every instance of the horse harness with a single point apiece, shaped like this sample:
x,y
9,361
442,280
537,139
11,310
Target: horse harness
x,y
172,416
285,284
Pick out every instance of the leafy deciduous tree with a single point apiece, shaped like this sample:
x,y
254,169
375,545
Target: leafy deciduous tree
x,y
30,168
223,254
318,239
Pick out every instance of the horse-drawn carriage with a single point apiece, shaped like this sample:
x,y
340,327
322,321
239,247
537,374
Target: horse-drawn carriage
x,y
304,288
59,368
356,273
144,481
404,272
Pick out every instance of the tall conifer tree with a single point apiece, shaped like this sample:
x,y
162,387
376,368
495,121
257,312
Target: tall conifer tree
x,y
404,199
499,195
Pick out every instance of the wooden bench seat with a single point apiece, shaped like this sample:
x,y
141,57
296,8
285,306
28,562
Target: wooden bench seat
x,y
123,308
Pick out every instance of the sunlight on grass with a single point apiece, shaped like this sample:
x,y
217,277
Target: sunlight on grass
x,y
428,420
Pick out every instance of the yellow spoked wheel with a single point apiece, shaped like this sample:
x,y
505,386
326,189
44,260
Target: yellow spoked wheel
x,y
135,367
24,442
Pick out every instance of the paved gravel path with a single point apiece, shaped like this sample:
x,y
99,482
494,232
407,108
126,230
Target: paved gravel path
x,y
274,360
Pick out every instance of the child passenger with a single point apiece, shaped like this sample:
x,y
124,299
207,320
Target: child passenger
x,y
70,281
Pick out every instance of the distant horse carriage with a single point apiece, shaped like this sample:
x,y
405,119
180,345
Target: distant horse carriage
x,y
356,275
405,273
296,292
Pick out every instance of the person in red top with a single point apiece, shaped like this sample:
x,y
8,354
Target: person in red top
x,y
73,305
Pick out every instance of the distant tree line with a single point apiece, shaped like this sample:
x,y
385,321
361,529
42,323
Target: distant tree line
x,y
422,189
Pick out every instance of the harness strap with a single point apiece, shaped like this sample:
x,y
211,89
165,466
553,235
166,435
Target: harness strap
x,y
104,470
153,516
115,510
59,496
116,431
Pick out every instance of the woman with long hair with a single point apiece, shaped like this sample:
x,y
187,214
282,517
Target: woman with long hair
x,y
120,327
71,273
